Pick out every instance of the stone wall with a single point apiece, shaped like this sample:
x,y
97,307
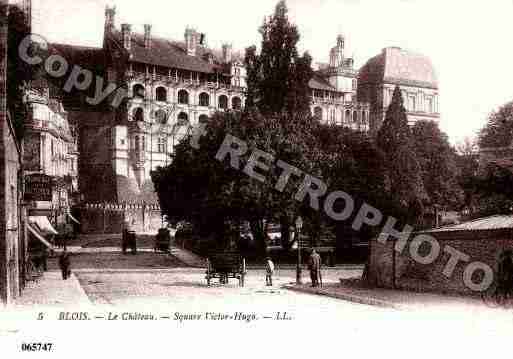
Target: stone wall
x,y
387,266
109,218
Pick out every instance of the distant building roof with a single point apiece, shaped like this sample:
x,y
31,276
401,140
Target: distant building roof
x,y
401,67
481,224
319,83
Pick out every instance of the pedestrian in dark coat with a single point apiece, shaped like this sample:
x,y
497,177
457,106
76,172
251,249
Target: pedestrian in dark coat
x,y
65,264
314,265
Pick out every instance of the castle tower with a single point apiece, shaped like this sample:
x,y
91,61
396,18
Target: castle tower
x,y
110,19
337,53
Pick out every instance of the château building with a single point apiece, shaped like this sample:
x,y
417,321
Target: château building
x,y
165,87
172,86
413,73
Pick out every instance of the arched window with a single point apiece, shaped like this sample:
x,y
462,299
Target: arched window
x,y
223,102
347,117
364,118
138,91
161,94
183,97
355,117
161,117
318,114
138,114
203,119
204,99
236,103
136,143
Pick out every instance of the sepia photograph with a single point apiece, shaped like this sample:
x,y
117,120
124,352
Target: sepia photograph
x,y
249,179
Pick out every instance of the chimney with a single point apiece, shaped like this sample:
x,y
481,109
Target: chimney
x,y
110,17
147,36
227,53
126,31
191,41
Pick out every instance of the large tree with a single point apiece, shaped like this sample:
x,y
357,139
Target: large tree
x,y
198,188
437,160
403,172
498,131
278,77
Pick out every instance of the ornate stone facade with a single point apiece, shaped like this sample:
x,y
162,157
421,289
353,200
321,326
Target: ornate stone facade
x,y
334,88
172,86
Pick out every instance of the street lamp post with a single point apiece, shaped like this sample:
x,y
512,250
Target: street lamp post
x,y
299,224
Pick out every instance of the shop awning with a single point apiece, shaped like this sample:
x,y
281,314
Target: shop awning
x,y
38,236
73,218
43,224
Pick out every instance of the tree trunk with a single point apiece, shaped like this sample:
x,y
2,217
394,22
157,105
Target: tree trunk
x,y
285,232
259,235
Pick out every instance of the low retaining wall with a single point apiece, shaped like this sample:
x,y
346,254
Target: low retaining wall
x,y
109,218
393,270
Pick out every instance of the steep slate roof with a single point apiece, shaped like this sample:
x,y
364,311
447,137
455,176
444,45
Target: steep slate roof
x,y
487,223
172,54
398,66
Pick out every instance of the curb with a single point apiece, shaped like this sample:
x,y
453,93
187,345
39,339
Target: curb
x,y
347,297
81,290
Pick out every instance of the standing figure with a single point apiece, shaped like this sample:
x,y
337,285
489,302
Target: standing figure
x,y
314,265
124,234
133,237
65,264
269,267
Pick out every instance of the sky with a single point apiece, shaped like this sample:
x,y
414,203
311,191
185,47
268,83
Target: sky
x,y
468,42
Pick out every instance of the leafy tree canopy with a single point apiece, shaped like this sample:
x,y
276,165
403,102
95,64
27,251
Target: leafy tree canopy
x,y
498,131
278,77
403,171
437,160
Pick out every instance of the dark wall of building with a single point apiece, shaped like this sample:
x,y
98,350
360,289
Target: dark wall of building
x,y
97,181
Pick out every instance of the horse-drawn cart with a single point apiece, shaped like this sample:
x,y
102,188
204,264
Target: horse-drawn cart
x,y
225,265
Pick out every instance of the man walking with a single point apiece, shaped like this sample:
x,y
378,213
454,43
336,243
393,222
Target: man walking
x,y
314,265
65,264
269,268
